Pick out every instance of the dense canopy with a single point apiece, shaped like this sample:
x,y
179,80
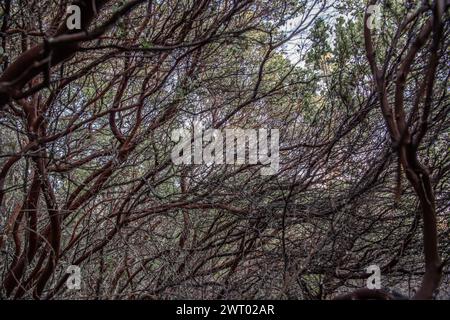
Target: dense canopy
x,y
358,91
